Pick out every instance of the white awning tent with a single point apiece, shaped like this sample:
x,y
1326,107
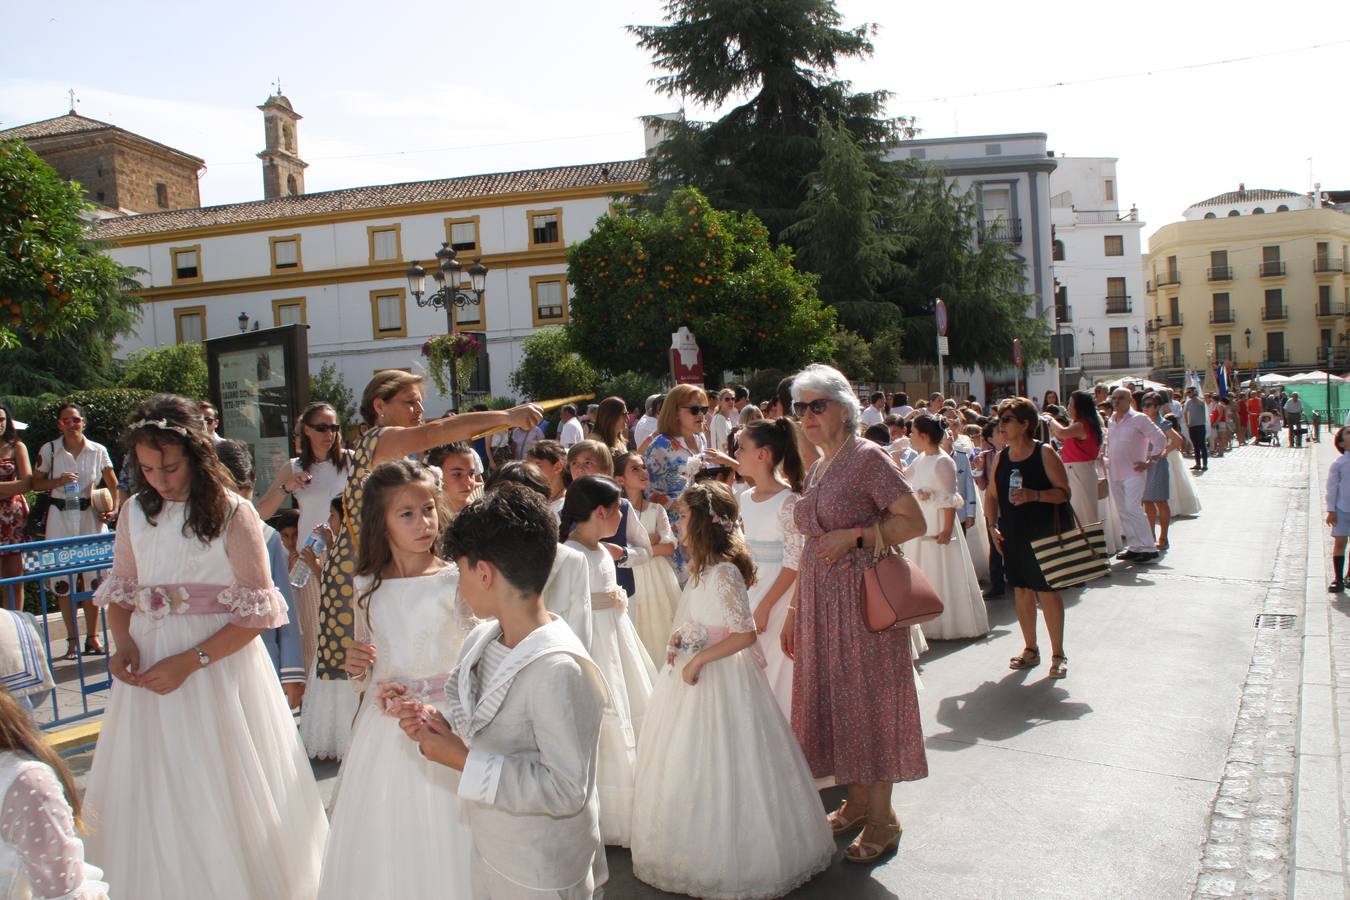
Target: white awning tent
x,y
1268,379
1136,383
1312,378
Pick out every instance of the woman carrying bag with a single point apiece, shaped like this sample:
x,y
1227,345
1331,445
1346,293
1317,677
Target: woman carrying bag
x,y
1027,485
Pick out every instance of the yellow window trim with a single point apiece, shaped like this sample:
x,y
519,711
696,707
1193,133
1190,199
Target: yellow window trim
x,y
477,233
272,242
529,227
480,310
372,230
173,264
402,331
178,315
535,281
289,301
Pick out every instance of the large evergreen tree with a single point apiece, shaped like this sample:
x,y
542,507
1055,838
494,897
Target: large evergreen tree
x,y
781,56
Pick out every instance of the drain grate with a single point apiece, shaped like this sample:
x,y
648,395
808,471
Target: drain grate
x,y
1274,620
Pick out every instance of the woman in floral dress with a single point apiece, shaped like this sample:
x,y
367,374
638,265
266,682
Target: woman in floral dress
x,y
854,707
675,454
15,473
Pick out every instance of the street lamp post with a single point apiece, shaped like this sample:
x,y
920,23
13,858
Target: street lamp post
x,y
449,295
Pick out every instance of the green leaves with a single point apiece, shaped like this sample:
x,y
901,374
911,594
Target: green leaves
x,y
640,276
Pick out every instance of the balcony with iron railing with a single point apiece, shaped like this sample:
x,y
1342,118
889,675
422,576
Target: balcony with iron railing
x,y
1272,268
1117,304
1220,273
1167,361
1270,360
1117,359
1150,287
1169,278
1325,265
1222,317
1327,309
1000,231
1063,313
1171,320
1274,312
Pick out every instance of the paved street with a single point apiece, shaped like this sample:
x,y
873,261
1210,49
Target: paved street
x,y
1127,778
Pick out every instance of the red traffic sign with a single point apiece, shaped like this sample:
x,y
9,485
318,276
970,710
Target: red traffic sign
x,y
941,315
1017,352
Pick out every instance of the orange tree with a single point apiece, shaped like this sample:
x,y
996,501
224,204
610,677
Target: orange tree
x,y
62,302
639,276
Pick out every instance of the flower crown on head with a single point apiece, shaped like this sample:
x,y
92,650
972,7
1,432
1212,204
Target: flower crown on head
x,y
727,525
163,424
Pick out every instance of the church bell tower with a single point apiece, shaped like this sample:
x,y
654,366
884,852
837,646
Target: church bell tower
x,y
283,169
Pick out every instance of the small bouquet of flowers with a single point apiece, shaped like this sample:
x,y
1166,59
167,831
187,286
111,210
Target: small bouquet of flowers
x,y
688,639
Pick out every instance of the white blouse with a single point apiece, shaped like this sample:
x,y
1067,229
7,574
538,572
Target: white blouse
x,y
41,855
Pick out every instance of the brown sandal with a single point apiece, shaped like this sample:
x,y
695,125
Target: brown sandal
x,y
1024,661
863,850
840,825
1059,667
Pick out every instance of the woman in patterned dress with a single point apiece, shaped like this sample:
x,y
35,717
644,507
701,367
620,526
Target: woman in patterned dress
x,y
854,706
15,475
392,406
674,454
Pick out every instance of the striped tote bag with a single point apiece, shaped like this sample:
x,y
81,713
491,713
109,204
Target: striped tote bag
x,y
1073,556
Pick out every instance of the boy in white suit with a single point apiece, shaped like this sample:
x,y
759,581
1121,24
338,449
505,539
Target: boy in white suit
x,y
522,711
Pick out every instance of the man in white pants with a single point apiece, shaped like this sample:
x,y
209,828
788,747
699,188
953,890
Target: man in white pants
x,y
1133,445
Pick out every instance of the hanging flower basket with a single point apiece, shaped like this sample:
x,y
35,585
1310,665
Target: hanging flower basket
x,y
460,350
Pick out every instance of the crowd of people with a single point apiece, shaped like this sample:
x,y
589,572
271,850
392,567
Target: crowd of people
x,y
643,632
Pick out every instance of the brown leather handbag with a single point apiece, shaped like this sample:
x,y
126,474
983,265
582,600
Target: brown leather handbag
x,y
895,592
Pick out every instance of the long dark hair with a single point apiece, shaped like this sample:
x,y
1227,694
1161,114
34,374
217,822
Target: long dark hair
x,y
381,484
779,437
610,427
584,496
19,735
9,435
1085,411
168,420
335,454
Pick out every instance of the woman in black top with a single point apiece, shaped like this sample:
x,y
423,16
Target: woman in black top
x,y
1018,516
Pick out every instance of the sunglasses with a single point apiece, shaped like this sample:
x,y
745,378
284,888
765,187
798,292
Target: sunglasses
x,y
73,420
698,410
1004,420
208,419
325,428
817,407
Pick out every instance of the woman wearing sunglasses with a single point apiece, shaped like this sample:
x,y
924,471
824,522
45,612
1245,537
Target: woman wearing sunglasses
x,y
854,707
674,454
313,479
73,459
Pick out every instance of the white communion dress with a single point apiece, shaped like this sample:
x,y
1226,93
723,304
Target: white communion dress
x,y
657,589
726,807
41,854
204,792
776,544
398,829
1183,499
948,566
628,672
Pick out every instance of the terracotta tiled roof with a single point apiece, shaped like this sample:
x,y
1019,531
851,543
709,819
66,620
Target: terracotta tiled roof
x,y
70,123
1247,196
593,174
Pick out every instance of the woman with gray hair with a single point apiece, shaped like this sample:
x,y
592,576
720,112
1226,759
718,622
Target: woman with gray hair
x,y
854,707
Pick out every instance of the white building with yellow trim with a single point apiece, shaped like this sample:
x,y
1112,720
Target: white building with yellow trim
x,y
1254,277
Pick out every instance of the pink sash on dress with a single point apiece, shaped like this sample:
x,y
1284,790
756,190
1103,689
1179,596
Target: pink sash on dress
x,y
249,607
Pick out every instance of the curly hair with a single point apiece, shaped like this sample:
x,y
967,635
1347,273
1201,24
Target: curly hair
x,y
168,420
713,533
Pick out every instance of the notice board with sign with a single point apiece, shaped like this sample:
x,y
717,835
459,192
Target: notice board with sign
x,y
259,381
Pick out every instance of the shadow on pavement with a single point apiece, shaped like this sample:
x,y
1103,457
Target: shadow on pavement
x,y
1000,710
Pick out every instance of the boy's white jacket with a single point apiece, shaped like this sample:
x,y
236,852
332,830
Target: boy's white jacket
x,y
529,781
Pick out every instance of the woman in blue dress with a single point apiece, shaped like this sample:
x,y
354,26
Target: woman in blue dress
x,y
674,454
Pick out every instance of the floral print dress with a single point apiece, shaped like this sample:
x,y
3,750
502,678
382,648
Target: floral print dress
x,y
672,465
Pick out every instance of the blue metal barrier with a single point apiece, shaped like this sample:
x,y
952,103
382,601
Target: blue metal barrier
x,y
64,558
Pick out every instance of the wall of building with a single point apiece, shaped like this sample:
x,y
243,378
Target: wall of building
x,y
1306,326
121,176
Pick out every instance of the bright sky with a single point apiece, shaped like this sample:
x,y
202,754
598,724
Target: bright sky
x,y
406,91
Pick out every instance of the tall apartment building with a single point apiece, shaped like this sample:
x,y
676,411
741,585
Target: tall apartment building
x,y
1099,311
1254,277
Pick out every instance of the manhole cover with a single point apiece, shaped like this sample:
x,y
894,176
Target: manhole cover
x,y
1274,620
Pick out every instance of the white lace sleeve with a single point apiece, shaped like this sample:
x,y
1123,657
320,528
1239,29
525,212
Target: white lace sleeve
x,y
121,585
947,496
664,533
36,821
731,590
793,540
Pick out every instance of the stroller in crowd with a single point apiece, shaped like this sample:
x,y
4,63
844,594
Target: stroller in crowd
x,y
1268,431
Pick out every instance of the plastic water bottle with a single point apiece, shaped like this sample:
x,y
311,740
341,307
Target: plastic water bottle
x,y
71,496
1014,480
300,572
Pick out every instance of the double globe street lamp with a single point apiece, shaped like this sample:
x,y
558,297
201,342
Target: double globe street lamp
x,y
449,295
